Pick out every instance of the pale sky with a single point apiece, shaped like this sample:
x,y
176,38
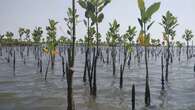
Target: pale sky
x,y
31,13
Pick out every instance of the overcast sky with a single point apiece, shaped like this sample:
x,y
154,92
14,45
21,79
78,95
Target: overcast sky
x,y
31,13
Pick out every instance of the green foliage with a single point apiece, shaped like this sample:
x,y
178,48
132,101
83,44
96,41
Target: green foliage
x,y
69,21
188,35
9,36
27,32
155,42
62,40
37,34
21,32
94,9
113,34
179,44
90,39
128,38
169,22
51,38
146,14
1,36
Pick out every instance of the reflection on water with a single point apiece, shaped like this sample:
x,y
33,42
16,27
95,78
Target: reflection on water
x,y
29,91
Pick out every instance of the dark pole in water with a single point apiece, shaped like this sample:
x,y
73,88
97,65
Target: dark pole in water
x,y
133,97
40,65
162,76
194,67
63,70
14,62
47,69
121,77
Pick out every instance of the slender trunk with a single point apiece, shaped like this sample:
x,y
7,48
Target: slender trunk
x,y
167,62
14,62
86,53
47,69
187,51
122,68
147,87
162,76
63,70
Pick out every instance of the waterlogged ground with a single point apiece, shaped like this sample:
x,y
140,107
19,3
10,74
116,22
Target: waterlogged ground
x,y
28,90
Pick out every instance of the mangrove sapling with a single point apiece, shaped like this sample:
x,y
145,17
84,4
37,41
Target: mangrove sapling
x,y
188,36
90,43
71,23
51,44
37,35
27,38
179,45
21,32
95,14
127,45
51,41
90,32
155,43
112,40
144,37
169,22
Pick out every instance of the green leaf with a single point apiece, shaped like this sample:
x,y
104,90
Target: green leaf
x,y
87,14
68,32
82,4
140,22
141,5
93,17
85,22
151,10
92,23
100,17
90,7
150,25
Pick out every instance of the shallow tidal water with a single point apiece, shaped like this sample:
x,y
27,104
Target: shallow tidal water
x,y
28,90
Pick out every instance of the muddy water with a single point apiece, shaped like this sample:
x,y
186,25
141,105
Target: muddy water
x,y
28,90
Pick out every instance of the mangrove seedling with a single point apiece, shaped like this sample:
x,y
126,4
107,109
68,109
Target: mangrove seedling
x,y
127,43
144,37
188,36
112,38
51,41
169,22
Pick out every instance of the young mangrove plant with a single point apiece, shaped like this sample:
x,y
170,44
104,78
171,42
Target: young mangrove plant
x,y
179,46
188,36
37,35
112,38
169,22
144,37
94,12
9,37
86,5
128,44
51,44
71,23
21,32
